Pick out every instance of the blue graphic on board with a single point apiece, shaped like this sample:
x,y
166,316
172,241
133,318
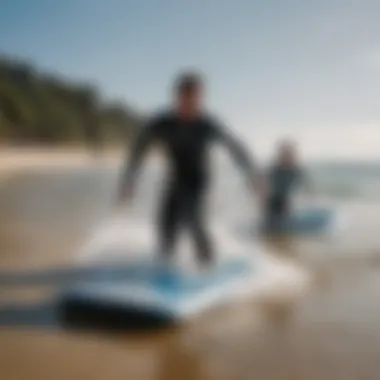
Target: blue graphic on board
x,y
174,284
164,290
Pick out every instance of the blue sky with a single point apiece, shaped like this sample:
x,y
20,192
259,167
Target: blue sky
x,y
309,69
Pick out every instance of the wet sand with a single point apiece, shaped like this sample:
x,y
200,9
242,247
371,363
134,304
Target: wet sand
x,y
331,333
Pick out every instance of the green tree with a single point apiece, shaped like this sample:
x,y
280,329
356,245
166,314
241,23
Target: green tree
x,y
38,107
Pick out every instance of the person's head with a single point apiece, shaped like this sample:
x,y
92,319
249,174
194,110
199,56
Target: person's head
x,y
287,153
189,93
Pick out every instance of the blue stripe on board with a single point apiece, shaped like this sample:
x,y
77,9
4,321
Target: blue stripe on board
x,y
134,272
62,276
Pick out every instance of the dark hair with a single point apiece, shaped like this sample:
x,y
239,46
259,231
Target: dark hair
x,y
188,81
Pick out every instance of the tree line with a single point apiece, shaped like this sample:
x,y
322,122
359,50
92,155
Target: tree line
x,y
41,108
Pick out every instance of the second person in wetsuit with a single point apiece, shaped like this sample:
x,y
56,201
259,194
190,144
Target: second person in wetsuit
x,y
285,176
185,133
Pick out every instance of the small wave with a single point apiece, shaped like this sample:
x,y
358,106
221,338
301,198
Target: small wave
x,y
355,189
347,180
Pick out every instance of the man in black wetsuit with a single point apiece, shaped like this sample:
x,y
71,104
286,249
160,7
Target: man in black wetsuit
x,y
186,134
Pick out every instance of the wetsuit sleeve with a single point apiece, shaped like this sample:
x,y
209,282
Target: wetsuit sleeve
x,y
132,165
236,149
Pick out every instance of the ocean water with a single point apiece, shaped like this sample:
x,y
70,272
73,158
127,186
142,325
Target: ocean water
x,y
342,180
229,199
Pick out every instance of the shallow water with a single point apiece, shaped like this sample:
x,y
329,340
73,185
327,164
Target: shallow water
x,y
332,332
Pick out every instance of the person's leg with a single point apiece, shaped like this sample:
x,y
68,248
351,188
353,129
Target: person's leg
x,y
281,214
274,215
169,220
196,223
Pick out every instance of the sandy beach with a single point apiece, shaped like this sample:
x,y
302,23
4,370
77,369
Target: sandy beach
x,y
331,332
14,160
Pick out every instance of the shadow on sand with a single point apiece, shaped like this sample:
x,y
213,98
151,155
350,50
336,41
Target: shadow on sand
x,y
58,313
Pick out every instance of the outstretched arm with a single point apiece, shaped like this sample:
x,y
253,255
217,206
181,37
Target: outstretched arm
x,y
241,157
133,162
236,149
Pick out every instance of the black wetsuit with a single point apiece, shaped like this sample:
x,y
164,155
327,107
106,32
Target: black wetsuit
x,y
282,181
186,145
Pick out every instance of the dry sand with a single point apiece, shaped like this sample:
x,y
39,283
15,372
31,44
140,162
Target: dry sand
x,y
14,160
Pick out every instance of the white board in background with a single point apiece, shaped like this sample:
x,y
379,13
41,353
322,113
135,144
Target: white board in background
x,y
304,222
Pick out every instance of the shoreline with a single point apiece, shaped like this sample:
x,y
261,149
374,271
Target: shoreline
x,y
14,160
